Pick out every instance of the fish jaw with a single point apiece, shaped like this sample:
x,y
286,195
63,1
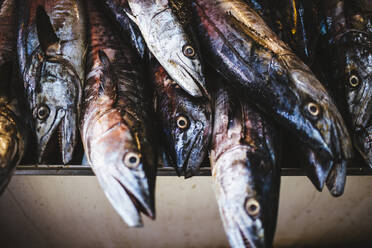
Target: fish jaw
x,y
317,169
337,178
43,135
154,19
187,74
126,188
190,155
327,130
120,199
231,183
68,133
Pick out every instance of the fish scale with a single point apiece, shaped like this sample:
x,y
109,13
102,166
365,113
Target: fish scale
x,y
115,122
245,168
51,51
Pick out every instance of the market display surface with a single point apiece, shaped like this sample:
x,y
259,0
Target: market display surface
x,y
244,85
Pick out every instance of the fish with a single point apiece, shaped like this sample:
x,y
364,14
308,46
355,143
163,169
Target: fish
x,y
13,126
295,22
168,39
186,123
51,52
115,122
254,60
245,164
356,43
115,9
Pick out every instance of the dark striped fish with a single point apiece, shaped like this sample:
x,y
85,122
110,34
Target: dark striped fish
x,y
51,49
246,51
357,46
296,23
115,122
245,171
186,123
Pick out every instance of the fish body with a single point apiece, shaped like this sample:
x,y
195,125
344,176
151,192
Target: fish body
x,y
13,130
167,38
186,123
245,171
356,43
115,119
116,9
247,52
51,50
294,21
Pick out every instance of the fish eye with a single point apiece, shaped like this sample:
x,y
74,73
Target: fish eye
x,y
252,207
354,81
313,109
188,51
182,122
43,112
132,160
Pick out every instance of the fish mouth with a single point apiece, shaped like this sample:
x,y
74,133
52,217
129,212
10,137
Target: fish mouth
x,y
337,178
141,202
317,168
326,131
128,200
61,137
241,233
184,164
199,89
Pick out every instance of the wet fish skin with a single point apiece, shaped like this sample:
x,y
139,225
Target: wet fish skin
x,y
294,22
252,57
51,50
186,123
115,9
245,171
115,122
13,129
356,43
169,42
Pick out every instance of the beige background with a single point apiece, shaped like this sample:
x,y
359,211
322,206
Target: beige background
x,y
48,211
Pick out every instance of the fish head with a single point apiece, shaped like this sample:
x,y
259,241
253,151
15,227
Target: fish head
x,y
123,173
121,158
243,195
56,107
358,89
57,91
315,113
187,125
178,54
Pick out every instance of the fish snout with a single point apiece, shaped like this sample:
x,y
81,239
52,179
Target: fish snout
x,y
68,131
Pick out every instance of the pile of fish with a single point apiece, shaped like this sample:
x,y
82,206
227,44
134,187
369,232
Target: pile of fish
x,y
252,84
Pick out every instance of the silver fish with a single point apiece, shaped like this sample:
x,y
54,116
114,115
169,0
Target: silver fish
x,y
115,122
51,50
169,42
245,171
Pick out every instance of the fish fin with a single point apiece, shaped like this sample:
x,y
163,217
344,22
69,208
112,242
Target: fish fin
x,y
106,82
6,73
47,37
